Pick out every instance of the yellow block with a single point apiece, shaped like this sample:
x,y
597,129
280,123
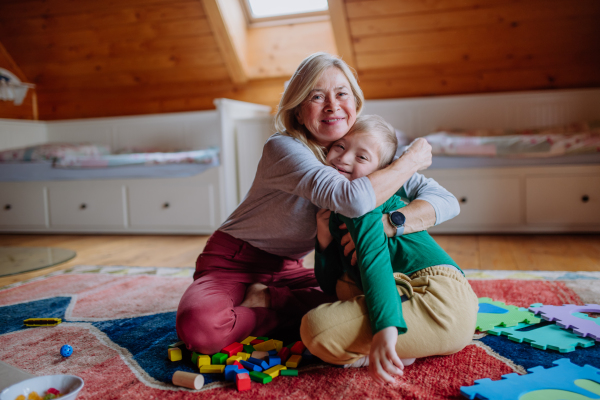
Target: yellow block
x,y
175,354
212,369
231,359
265,346
245,356
278,345
248,340
203,360
274,371
293,361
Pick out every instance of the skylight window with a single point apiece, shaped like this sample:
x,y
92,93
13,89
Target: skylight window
x,y
283,11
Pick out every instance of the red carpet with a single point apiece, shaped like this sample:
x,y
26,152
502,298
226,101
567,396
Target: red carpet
x,y
119,321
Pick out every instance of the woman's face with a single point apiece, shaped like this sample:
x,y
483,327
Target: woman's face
x,y
329,111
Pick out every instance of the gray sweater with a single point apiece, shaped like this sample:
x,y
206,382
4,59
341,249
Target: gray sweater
x,y
278,215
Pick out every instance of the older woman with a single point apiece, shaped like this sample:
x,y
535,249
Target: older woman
x,y
249,279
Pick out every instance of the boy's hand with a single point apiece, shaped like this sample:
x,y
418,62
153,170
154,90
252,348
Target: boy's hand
x,y
323,235
384,362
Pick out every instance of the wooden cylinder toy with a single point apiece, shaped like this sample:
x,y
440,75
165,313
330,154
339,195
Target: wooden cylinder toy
x,y
188,380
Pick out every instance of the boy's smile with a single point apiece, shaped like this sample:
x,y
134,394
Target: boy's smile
x,y
355,155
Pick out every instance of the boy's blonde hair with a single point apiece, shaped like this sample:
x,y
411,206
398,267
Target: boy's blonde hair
x,y
385,133
303,81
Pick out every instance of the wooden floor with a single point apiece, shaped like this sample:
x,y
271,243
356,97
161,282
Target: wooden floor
x,y
507,252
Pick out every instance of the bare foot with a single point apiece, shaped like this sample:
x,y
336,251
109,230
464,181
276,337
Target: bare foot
x,y
257,295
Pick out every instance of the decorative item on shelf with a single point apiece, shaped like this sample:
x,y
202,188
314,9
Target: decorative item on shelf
x,y
11,88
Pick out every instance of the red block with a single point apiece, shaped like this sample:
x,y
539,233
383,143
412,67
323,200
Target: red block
x,y
233,349
243,382
256,341
237,363
284,354
298,348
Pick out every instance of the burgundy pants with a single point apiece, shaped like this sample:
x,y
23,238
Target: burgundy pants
x,y
209,316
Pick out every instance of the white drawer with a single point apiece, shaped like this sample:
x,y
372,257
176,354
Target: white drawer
x,y
82,204
172,206
564,200
485,202
22,205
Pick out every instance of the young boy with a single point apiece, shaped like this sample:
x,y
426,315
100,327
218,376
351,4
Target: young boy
x,y
393,277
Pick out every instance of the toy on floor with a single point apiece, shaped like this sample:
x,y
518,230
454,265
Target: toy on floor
x,y
42,321
512,316
66,351
570,316
566,376
545,337
188,380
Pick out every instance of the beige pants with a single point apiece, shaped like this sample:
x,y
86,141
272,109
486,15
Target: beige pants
x,y
440,313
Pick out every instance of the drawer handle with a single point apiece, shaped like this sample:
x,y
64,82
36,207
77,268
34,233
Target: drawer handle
x,y
83,206
463,199
166,205
7,207
585,198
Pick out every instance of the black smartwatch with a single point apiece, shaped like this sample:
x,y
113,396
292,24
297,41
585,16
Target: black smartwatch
x,y
397,219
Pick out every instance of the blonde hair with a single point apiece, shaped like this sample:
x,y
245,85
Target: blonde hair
x,y
385,133
303,81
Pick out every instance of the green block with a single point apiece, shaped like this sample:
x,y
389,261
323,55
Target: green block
x,y
219,358
260,377
263,338
288,372
289,346
248,349
195,357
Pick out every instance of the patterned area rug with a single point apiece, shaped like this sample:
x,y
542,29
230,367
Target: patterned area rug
x,y
120,321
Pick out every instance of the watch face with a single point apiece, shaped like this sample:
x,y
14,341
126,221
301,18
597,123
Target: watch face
x,y
398,218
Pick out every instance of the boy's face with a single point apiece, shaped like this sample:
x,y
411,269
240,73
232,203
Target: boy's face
x,y
355,155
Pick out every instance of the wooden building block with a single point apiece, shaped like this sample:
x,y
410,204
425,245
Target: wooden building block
x,y
260,377
237,363
195,357
175,354
229,372
188,380
233,349
273,372
248,348
242,381
265,346
248,340
293,361
219,358
298,348
212,369
284,354
250,366
232,359
256,341
261,355
289,372
273,360
245,356
278,344
203,360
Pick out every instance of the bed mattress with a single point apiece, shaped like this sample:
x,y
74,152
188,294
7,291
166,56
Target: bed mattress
x,y
446,162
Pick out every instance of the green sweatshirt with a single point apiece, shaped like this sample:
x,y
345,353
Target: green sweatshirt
x,y
378,258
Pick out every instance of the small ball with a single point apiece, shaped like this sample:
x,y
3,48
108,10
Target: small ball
x,y
66,350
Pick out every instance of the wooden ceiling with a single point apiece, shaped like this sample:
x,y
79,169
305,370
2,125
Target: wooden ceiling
x,y
92,58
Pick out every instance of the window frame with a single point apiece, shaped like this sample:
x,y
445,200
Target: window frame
x,y
287,19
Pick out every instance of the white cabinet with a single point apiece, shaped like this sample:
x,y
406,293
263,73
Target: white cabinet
x,y
22,205
564,200
190,207
86,205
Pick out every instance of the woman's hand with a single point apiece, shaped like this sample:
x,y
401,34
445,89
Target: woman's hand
x,y
419,153
384,362
323,235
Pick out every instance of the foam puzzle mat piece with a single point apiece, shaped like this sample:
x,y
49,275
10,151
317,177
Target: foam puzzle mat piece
x,y
544,337
512,316
513,386
568,316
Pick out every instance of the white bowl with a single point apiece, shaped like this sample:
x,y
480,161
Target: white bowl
x,y
68,385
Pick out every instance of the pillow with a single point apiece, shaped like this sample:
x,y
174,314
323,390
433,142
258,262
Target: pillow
x,y
52,151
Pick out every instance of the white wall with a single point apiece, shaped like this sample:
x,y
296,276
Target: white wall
x,y
16,133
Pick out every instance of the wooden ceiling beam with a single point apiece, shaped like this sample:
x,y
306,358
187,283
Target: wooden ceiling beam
x,y
228,25
341,31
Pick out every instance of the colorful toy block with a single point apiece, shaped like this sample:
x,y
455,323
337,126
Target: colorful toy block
x,y
245,356
188,380
260,363
194,357
298,348
264,338
233,349
289,372
261,355
232,359
242,371
256,341
284,354
273,372
272,352
278,344
230,372
237,363
242,381
219,358
248,340
203,360
265,346
175,354
273,360
212,369
293,361
250,366
260,377
248,348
